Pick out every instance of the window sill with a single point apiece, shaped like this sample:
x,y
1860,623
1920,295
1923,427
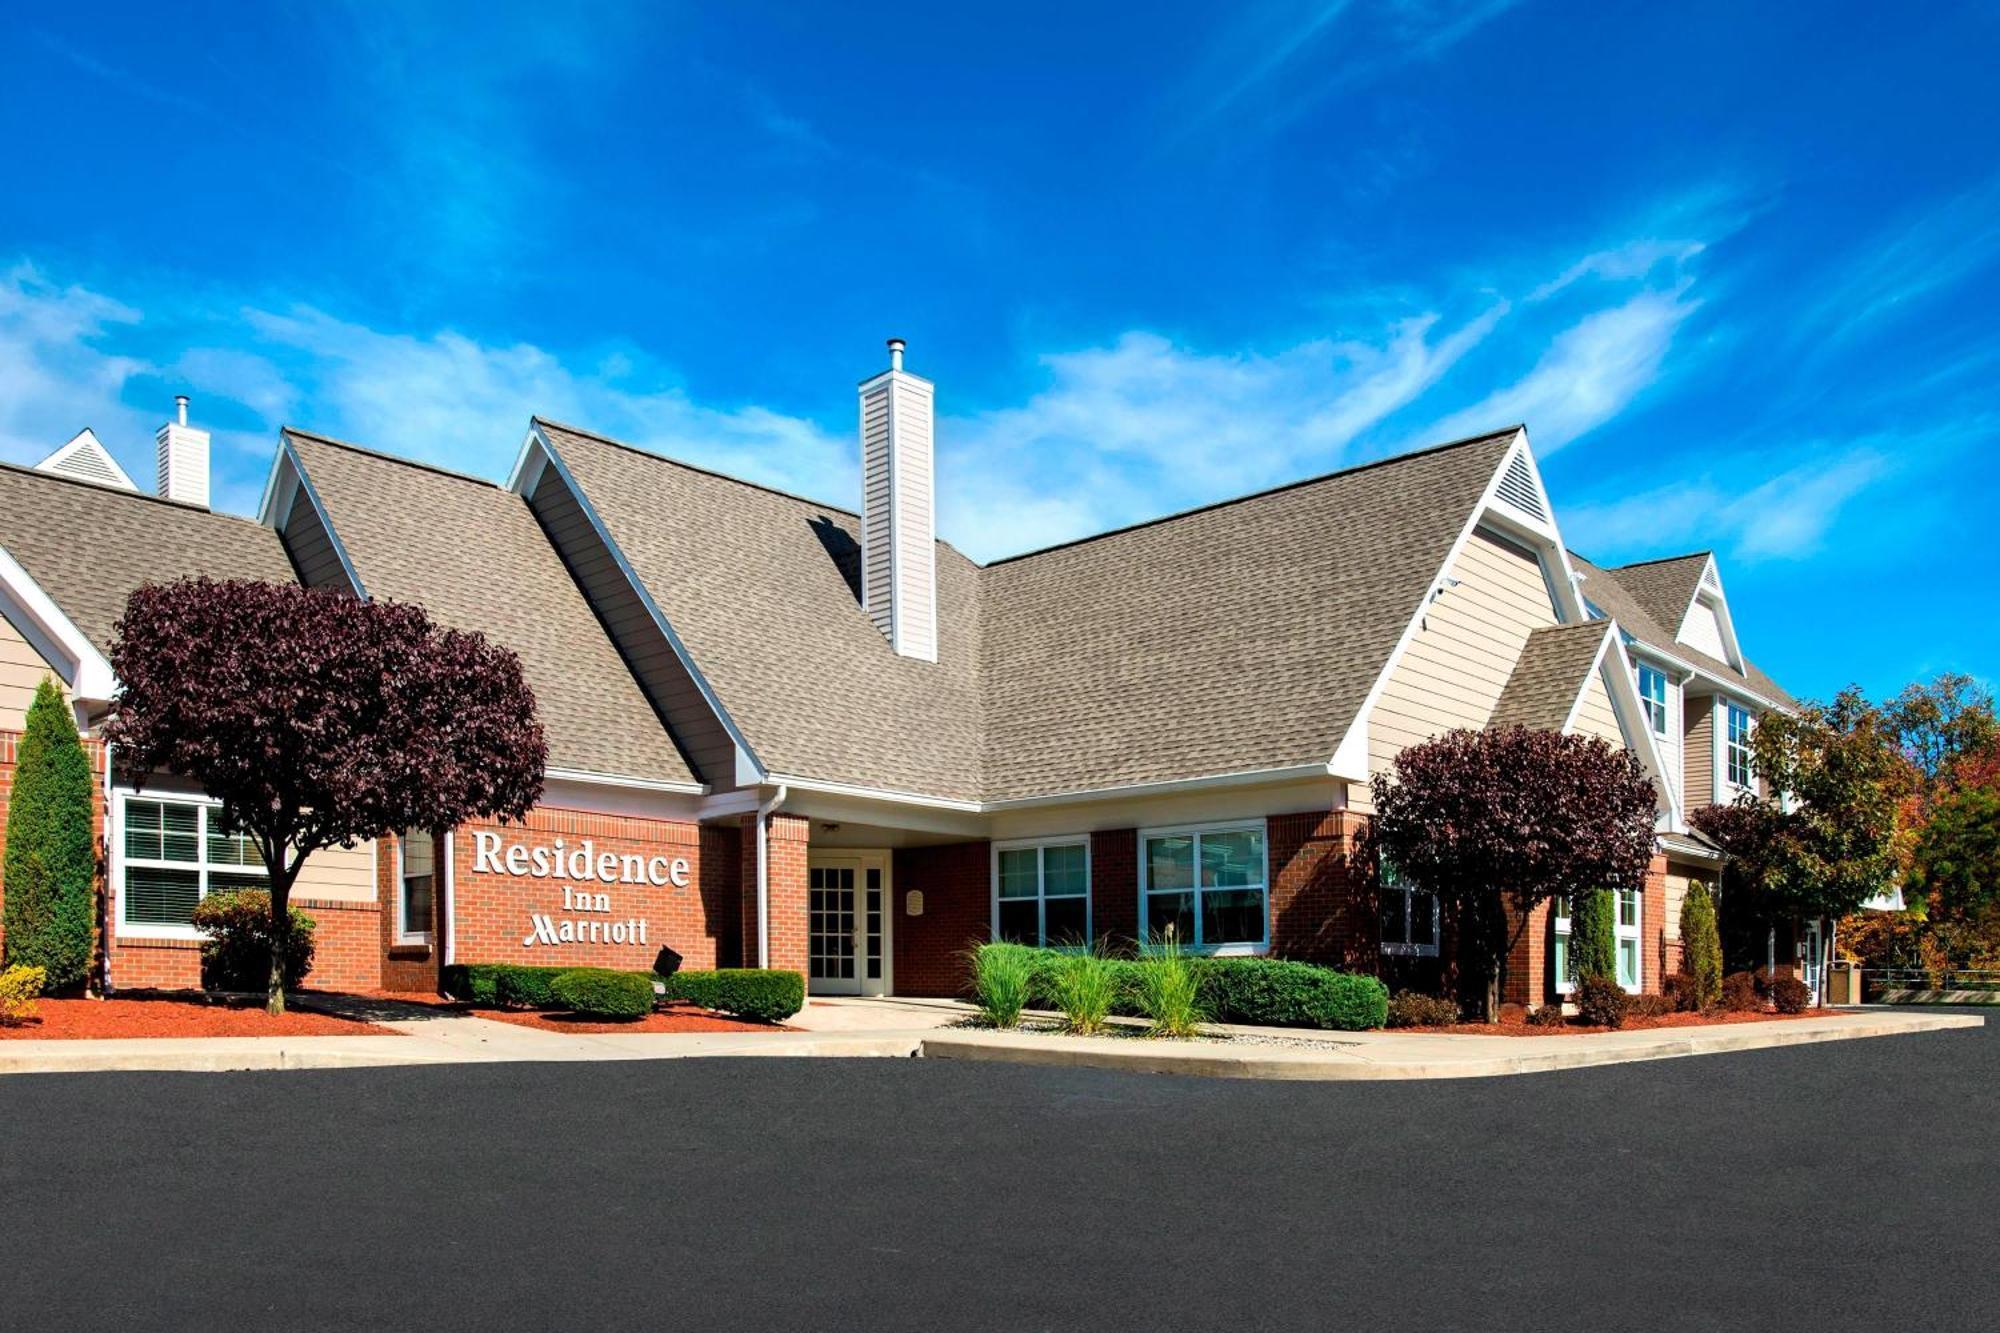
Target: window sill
x,y
410,949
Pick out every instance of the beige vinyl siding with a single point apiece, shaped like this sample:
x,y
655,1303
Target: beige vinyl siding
x,y
1595,715
1462,654
344,874
1703,631
1677,884
709,748
1698,752
21,670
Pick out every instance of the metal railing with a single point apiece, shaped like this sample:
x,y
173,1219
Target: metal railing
x,y
1876,980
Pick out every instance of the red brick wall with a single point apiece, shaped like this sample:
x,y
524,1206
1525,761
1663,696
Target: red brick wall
x,y
1653,927
347,951
1114,886
490,912
785,848
958,914
1322,910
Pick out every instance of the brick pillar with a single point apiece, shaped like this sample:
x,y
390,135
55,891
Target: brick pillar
x,y
785,846
1653,927
1114,886
1528,965
1322,911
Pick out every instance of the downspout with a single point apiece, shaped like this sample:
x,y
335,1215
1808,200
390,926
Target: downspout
x,y
110,923
764,812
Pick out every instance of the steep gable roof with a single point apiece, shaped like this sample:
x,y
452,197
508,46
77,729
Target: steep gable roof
x,y
1608,590
1664,588
472,555
90,546
1552,673
1255,627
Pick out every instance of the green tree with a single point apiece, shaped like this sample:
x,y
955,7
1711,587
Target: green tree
x,y
51,862
1937,725
1957,857
1701,946
1593,935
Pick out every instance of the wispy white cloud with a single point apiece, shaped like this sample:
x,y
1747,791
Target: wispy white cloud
x,y
1899,270
56,374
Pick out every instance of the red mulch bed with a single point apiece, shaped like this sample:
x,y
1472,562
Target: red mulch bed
x,y
1523,1028
177,1014
680,1018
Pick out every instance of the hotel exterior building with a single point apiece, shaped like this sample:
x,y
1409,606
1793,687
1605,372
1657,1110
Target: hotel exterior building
x,y
785,734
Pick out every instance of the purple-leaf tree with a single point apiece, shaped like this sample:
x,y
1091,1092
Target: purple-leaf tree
x,y
318,720
1495,822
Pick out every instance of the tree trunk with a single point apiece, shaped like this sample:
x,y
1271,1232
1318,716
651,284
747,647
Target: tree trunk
x,y
281,939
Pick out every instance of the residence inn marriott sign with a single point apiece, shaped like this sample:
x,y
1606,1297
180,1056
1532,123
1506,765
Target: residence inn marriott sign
x,y
785,734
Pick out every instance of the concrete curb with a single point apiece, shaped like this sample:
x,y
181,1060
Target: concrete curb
x,y
1373,1055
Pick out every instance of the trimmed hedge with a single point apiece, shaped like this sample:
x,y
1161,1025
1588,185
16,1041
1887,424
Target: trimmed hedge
x,y
514,985
603,992
763,995
1270,992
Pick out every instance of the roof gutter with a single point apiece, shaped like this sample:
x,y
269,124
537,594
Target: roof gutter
x,y
764,812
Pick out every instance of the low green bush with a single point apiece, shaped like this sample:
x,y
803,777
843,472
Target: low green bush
x,y
1601,1002
761,994
527,987
1003,981
1414,1009
236,942
1789,995
603,992
1548,1016
516,985
1273,992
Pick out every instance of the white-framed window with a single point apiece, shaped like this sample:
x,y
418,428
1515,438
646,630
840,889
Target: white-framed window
x,y
171,852
1041,892
1625,942
416,887
1210,882
1736,754
1409,916
1559,954
1653,697
1627,939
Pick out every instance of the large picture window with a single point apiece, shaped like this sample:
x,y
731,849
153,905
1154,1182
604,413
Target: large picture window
x,y
1409,916
416,887
1210,884
1041,893
1737,757
174,854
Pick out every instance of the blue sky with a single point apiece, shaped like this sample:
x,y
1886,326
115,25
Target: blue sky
x,y
1734,265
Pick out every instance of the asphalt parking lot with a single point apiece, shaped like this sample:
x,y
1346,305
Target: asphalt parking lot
x,y
1838,1186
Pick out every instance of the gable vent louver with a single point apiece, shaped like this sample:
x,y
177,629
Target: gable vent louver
x,y
89,465
1517,487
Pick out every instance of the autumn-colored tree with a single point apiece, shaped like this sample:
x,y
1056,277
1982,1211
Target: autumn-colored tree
x,y
1957,859
1818,843
1496,822
318,720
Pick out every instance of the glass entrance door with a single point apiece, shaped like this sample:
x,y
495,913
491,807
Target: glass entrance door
x,y
847,920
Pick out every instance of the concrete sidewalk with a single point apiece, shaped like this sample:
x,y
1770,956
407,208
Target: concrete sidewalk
x,y
926,1028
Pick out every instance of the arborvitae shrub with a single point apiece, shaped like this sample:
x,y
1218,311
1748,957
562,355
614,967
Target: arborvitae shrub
x,y
1701,948
1593,949
51,862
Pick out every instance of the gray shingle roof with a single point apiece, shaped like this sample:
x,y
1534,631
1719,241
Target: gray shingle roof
x,y
1237,637
1664,589
761,588
1554,667
89,547
1611,591
473,556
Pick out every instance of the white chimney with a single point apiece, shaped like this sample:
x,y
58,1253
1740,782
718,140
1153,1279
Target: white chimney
x,y
898,521
183,458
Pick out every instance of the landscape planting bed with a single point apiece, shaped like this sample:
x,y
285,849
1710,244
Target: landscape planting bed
x,y
680,1018
1522,1028
177,1015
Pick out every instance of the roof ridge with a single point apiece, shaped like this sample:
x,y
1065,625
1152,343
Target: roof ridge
x,y
65,479
693,467
1659,560
387,457
1280,488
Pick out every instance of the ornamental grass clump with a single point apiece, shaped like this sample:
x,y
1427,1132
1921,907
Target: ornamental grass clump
x,y
1002,978
1085,988
1168,989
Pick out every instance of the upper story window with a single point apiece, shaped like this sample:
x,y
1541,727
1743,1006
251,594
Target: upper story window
x,y
174,853
1409,916
1736,755
1653,696
1041,893
1210,884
